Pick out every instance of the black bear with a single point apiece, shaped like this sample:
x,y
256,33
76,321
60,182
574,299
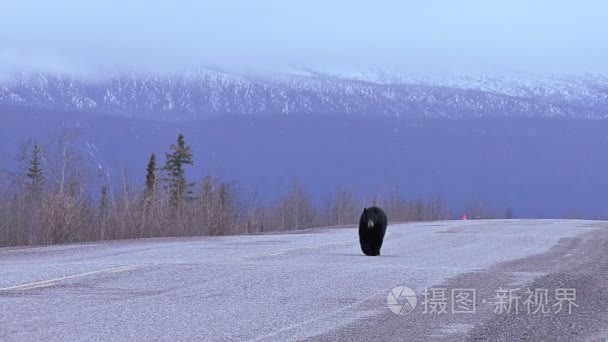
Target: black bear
x,y
372,227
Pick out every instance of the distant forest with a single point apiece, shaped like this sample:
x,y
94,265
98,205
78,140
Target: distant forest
x,y
52,198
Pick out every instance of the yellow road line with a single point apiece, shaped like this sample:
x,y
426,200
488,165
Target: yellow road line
x,y
444,229
51,282
122,269
283,251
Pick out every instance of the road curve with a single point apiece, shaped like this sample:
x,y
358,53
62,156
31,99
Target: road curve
x,y
311,285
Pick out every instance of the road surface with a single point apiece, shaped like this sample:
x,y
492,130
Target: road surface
x,y
315,285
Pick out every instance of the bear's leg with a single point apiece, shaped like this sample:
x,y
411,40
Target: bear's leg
x,y
373,251
365,248
368,244
377,245
374,246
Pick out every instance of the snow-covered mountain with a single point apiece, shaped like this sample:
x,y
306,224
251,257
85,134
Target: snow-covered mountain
x,y
209,93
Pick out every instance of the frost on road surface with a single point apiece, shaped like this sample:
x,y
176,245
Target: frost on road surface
x,y
311,285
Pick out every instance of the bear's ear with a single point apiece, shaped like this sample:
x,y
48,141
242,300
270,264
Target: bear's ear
x,y
364,210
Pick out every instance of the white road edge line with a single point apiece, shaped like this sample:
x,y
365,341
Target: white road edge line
x,y
38,286
52,281
272,334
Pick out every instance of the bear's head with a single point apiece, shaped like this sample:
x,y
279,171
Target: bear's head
x,y
371,218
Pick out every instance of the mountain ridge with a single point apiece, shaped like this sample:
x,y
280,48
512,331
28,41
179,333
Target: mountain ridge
x,y
207,93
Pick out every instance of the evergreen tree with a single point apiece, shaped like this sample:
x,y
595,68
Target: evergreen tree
x,y
35,175
224,195
176,160
151,181
103,211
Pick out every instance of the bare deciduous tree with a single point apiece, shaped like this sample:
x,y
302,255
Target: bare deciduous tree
x,y
51,199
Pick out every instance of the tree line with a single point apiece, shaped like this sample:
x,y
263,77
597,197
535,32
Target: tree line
x,y
52,199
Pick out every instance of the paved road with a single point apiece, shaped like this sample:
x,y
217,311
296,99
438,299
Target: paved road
x,y
314,285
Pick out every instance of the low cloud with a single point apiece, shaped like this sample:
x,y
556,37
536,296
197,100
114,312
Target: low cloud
x,y
97,36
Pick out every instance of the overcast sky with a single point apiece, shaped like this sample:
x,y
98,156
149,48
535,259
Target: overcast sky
x,y
452,35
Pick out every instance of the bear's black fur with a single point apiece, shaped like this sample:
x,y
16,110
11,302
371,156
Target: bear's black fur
x,y
372,227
